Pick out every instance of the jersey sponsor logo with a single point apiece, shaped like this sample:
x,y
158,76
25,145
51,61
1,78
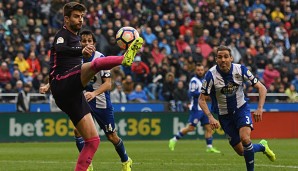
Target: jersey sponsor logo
x,y
60,40
230,89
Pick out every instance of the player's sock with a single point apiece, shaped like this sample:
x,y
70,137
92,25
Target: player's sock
x,y
209,142
178,136
258,148
119,147
87,153
80,143
249,156
106,63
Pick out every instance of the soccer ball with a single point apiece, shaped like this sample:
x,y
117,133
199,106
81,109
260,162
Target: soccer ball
x,y
125,36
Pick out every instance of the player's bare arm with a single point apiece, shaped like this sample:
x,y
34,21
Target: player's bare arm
x,y
106,86
262,96
203,104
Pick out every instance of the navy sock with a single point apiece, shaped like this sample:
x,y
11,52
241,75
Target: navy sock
x,y
179,135
119,147
80,143
258,148
209,141
249,156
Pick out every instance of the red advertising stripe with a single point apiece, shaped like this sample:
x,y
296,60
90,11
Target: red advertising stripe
x,y
277,125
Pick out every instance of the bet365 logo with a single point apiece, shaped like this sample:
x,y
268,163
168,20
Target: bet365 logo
x,y
41,127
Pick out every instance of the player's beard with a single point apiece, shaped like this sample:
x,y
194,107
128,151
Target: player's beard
x,y
75,27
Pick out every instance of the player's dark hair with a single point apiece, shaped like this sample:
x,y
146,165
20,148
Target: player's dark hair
x,y
222,48
199,64
73,6
88,32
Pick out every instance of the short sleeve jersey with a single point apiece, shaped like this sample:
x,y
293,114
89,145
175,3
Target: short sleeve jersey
x,y
226,89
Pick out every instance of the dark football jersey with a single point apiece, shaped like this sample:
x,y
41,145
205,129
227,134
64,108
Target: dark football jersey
x,y
66,52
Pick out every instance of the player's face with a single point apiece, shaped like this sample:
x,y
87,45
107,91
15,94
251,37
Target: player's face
x,y
224,60
75,21
200,71
86,39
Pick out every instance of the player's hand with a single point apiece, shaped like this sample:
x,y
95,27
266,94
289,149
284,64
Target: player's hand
x,y
89,95
88,51
213,123
44,89
258,115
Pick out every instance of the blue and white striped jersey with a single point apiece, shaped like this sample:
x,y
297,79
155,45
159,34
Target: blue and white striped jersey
x,y
195,86
226,89
103,100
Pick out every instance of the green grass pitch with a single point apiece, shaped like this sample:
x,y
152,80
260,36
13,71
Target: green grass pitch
x,y
189,155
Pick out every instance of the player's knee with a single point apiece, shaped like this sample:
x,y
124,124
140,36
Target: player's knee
x,y
190,128
76,133
113,137
245,139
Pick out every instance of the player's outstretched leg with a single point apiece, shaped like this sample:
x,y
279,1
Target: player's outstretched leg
x,y
132,51
126,166
268,152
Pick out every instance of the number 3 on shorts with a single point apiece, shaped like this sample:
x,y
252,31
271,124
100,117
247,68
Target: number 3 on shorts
x,y
247,120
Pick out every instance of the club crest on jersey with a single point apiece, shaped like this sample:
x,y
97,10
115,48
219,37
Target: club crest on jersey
x,y
230,89
60,40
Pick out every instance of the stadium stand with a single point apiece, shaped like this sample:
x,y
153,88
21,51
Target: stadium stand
x,y
177,34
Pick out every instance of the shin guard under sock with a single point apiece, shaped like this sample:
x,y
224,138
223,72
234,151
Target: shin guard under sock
x,y
87,153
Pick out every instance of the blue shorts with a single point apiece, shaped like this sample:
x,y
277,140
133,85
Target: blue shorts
x,y
196,116
104,118
231,123
67,90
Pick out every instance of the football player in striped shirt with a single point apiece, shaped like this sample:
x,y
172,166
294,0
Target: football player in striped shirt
x,y
224,84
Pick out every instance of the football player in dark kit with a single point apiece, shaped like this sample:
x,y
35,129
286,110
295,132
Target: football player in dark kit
x,y
68,77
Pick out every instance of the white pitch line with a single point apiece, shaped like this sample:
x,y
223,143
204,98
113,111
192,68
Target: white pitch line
x,y
150,163
277,166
